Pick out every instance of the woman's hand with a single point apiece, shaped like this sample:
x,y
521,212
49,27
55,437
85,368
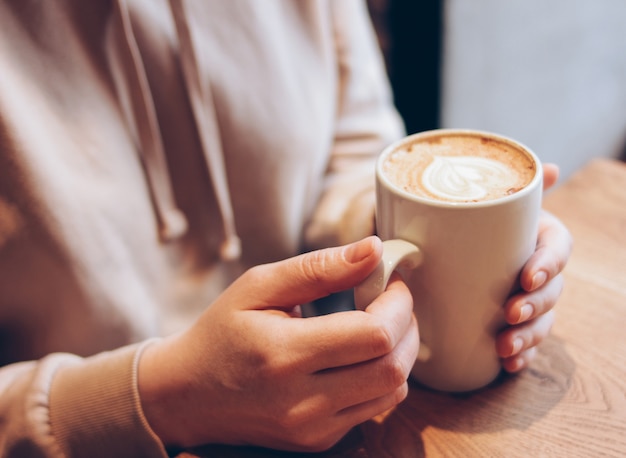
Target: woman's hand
x,y
251,371
530,313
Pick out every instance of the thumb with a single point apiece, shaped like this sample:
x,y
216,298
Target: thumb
x,y
307,277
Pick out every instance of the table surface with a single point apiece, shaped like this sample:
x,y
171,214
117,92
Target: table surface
x,y
572,400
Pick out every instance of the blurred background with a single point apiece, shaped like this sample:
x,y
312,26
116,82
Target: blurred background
x,y
548,73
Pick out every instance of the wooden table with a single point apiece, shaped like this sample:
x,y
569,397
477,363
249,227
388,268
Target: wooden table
x,y
571,402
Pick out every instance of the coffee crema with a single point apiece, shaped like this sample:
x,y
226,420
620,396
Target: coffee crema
x,y
460,168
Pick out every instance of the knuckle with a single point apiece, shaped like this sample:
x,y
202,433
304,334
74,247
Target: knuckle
x,y
290,421
562,250
554,265
529,355
539,331
546,299
313,265
255,275
270,367
548,322
395,397
401,393
301,415
533,341
381,339
294,420
306,432
394,373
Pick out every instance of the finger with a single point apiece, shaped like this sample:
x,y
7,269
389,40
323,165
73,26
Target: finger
x,y
307,277
527,306
348,396
554,246
362,412
516,339
322,435
550,175
358,383
348,338
521,361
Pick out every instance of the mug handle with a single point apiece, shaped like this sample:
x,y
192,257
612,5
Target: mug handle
x,y
397,253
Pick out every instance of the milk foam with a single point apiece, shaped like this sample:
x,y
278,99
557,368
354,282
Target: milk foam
x,y
464,178
459,168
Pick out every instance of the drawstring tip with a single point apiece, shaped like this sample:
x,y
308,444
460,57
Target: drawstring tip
x,y
230,250
174,225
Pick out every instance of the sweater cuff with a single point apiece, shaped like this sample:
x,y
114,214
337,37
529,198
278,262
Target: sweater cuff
x,y
95,408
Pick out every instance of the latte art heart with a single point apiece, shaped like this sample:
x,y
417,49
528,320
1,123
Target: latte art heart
x,y
464,178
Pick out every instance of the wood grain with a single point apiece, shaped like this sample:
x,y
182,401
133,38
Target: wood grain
x,y
572,401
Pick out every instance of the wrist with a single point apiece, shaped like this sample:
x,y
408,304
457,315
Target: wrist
x,y
94,401
154,385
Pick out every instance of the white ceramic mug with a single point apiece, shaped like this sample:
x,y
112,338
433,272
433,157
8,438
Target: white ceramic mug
x,y
461,262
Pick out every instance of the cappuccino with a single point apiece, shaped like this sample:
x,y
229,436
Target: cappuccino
x,y
458,212
460,167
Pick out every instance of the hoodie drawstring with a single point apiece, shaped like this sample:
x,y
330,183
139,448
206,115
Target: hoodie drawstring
x,y
171,220
206,123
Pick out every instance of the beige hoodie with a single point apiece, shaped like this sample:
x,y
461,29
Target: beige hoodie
x,y
150,151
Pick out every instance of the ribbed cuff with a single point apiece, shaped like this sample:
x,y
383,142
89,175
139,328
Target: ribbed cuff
x,y
95,408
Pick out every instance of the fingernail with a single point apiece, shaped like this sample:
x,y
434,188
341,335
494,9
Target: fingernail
x,y
358,251
525,312
538,280
517,346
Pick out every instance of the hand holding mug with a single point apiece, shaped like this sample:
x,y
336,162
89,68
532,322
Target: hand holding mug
x,y
529,312
251,371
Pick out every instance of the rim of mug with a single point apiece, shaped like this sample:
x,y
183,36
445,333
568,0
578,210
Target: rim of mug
x,y
537,179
